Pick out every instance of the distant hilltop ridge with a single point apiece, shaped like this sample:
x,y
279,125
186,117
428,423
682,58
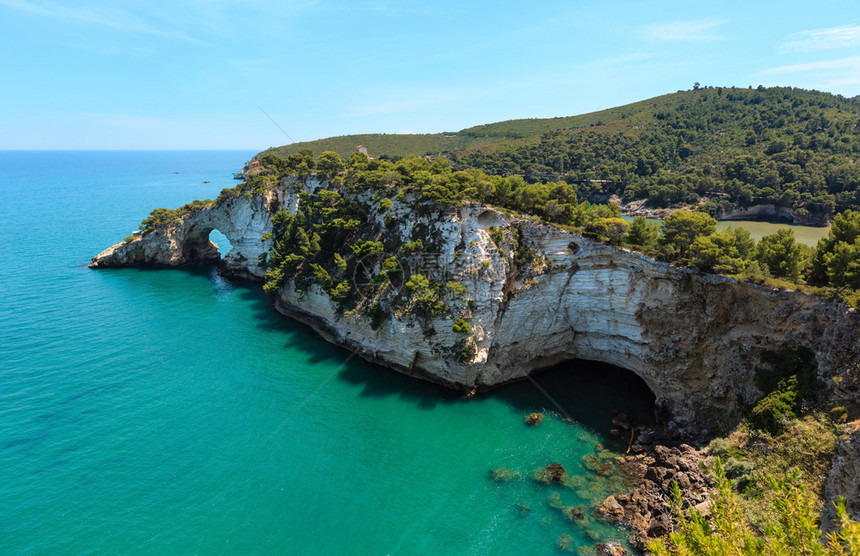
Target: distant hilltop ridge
x,y
722,150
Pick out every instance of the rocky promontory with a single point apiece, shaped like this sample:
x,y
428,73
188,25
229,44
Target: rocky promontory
x,y
532,295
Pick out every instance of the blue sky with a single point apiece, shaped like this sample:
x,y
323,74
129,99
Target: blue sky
x,y
195,74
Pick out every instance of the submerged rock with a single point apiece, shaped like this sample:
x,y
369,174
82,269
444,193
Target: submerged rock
x,y
534,419
504,475
552,473
564,542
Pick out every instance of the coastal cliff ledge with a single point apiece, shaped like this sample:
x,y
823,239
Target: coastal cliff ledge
x,y
696,339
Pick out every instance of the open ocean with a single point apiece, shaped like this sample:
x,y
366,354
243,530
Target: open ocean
x,y
173,412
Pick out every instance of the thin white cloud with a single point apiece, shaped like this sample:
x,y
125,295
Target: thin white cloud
x,y
686,30
851,63
820,39
115,20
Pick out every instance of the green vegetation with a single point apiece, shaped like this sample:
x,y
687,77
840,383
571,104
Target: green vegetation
x,y
727,147
789,381
730,147
730,251
642,234
790,434
305,245
162,217
461,326
681,229
794,529
456,288
332,240
686,238
837,259
689,238
717,148
425,298
782,255
333,231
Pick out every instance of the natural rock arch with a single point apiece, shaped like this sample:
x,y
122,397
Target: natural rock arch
x,y
243,221
197,248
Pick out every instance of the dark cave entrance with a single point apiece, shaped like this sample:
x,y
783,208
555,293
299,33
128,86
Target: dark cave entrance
x,y
608,399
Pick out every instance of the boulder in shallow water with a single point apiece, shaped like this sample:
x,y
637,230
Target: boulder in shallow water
x,y
610,549
610,510
534,419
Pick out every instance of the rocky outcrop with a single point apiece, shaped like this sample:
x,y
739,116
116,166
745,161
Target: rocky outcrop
x,y
243,220
771,213
844,477
647,507
765,213
534,296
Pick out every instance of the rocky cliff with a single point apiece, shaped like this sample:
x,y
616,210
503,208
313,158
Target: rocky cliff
x,y
533,295
844,477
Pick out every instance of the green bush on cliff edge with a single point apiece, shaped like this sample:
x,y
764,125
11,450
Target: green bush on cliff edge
x,y
728,532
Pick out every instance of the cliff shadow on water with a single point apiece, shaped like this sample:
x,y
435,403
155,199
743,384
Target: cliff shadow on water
x,y
590,393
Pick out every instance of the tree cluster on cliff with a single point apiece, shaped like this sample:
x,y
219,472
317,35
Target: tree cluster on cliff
x,y
685,237
335,237
832,268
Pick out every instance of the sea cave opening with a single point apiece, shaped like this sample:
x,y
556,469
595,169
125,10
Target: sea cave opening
x,y
611,400
221,242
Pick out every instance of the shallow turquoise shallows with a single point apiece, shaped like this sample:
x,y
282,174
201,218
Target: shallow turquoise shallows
x,y
173,412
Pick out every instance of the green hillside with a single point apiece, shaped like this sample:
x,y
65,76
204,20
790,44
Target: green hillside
x,y
718,148
395,145
398,145
726,148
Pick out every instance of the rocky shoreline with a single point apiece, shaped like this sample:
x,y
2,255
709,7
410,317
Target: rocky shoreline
x,y
646,508
764,213
655,458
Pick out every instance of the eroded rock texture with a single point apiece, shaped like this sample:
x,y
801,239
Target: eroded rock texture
x,y
694,338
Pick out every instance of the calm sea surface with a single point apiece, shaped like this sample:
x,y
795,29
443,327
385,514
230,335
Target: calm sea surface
x,y
172,412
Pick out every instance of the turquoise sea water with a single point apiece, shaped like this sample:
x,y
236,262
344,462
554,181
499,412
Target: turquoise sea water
x,y
173,412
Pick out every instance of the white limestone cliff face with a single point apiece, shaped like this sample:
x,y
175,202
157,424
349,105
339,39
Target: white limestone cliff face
x,y
694,338
843,479
243,220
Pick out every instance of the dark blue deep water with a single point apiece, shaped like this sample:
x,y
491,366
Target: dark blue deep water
x,y
173,412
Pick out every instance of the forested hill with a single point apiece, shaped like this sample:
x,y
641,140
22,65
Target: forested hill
x,y
733,147
719,148
390,145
